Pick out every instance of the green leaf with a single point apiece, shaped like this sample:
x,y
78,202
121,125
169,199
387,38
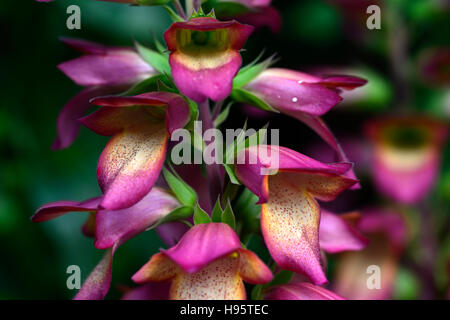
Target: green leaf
x,y
282,277
175,17
216,214
193,109
157,60
159,46
231,149
223,115
244,96
251,71
253,140
228,216
230,171
147,85
247,211
184,193
242,142
200,216
179,213
256,292
162,86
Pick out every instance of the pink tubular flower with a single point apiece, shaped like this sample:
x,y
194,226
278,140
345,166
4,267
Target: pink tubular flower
x,y
304,97
338,234
387,232
207,263
110,229
300,291
102,70
205,56
132,160
290,215
406,154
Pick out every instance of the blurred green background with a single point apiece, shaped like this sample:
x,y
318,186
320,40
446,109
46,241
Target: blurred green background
x,y
315,33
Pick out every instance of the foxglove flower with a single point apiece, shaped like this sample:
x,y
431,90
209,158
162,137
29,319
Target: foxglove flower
x,y
304,97
338,234
111,229
290,215
208,263
102,70
205,56
257,13
388,235
300,291
132,160
406,156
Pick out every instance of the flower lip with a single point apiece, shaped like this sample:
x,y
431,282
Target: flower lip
x,y
203,244
407,132
205,24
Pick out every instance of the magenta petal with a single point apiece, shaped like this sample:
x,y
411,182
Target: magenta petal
x,y
90,47
389,223
203,244
68,125
406,186
337,235
125,67
149,291
177,112
288,160
116,227
98,282
214,83
301,291
261,17
56,209
344,82
291,96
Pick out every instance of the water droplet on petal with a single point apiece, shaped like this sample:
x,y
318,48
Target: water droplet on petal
x,y
294,99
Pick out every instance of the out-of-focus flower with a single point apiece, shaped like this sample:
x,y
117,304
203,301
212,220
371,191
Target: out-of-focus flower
x,y
257,13
148,291
102,70
300,291
110,229
290,215
132,160
205,56
207,263
304,97
406,156
262,17
338,234
435,66
387,232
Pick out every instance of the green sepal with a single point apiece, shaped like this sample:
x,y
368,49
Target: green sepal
x,y
200,216
157,60
184,193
